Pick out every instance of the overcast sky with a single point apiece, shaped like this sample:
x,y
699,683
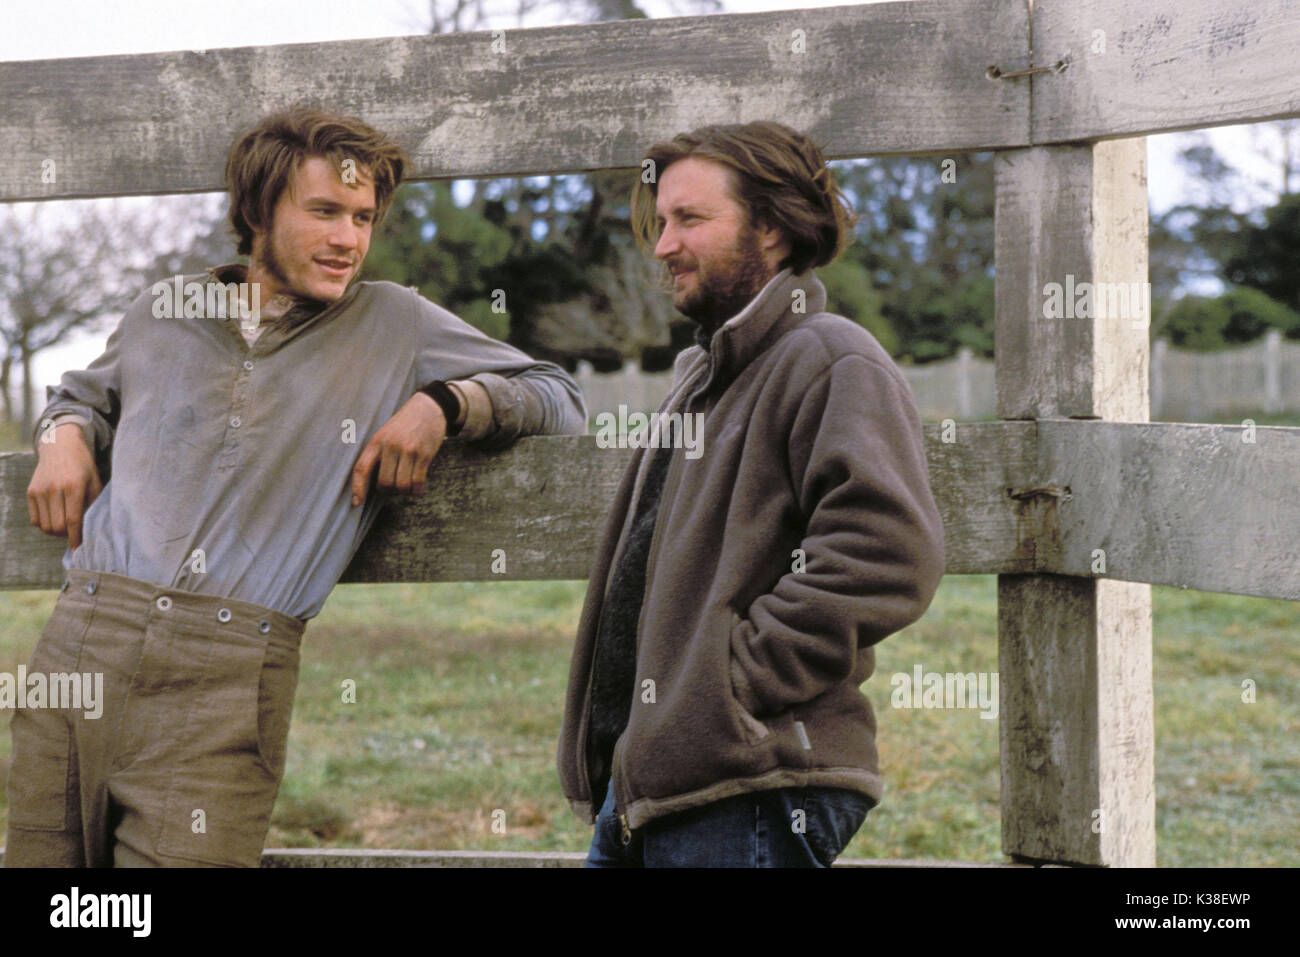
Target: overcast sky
x,y
41,29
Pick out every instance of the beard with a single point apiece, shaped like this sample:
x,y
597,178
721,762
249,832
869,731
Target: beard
x,y
728,284
270,264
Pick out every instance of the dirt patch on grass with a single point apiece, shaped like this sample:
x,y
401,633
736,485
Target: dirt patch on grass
x,y
389,825
392,825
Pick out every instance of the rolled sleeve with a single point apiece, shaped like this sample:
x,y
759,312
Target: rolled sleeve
x,y
527,397
91,395
536,401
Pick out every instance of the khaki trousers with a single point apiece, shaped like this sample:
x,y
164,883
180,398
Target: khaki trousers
x,y
183,765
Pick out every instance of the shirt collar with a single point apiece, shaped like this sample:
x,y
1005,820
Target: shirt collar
x,y
279,306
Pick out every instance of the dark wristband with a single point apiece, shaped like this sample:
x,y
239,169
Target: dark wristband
x,y
441,393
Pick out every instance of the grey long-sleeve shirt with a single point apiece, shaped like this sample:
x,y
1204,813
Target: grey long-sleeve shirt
x,y
246,452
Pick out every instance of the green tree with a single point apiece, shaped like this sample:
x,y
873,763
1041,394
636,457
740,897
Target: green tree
x,y
545,262
1264,254
1238,316
925,239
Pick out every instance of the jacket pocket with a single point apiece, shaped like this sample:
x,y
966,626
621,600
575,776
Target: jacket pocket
x,y
753,730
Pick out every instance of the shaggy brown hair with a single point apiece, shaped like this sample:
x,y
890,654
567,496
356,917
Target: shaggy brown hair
x,y
778,176
260,162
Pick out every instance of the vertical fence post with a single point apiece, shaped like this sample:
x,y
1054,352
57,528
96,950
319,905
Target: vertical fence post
x,y
1273,371
1074,654
964,356
1159,352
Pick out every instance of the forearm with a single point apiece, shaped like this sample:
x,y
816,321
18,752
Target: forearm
x,y
541,400
807,634
509,393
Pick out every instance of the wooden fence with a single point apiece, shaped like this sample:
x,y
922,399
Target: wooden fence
x,y
1062,89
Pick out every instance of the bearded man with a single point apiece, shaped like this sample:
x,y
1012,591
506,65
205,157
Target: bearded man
x,y
713,716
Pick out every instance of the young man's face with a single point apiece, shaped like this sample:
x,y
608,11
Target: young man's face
x,y
319,235
719,261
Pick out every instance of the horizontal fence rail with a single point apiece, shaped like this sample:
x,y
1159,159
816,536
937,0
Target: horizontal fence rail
x,y
543,503
1156,66
1015,498
895,77
922,76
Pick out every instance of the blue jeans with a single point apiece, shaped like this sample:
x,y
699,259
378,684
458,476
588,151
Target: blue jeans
x,y
788,827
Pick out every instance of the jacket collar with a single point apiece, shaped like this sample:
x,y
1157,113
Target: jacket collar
x,y
769,315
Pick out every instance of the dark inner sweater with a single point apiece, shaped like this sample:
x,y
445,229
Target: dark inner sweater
x,y
614,678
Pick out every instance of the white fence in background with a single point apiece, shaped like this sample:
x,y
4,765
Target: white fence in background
x,y
1185,386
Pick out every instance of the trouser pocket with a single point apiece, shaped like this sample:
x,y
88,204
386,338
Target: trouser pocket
x,y
221,768
834,815
42,787
277,685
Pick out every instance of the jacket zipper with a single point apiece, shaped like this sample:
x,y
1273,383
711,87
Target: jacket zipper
x,y
626,831
671,480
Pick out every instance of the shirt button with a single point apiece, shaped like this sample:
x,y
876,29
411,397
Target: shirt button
x,y
248,366
164,603
223,616
234,423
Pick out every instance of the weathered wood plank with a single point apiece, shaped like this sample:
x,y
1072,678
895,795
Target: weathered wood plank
x,y
543,503
971,467
1077,733
1192,506
1077,736
1054,234
882,78
1156,497
298,858
536,509
1161,65
540,502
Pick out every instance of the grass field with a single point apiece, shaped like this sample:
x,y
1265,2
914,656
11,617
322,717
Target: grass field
x,y
459,690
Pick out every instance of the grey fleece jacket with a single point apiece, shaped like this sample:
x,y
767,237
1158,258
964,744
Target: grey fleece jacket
x,y
803,534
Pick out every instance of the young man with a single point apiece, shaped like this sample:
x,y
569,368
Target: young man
x,y
713,715
232,425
